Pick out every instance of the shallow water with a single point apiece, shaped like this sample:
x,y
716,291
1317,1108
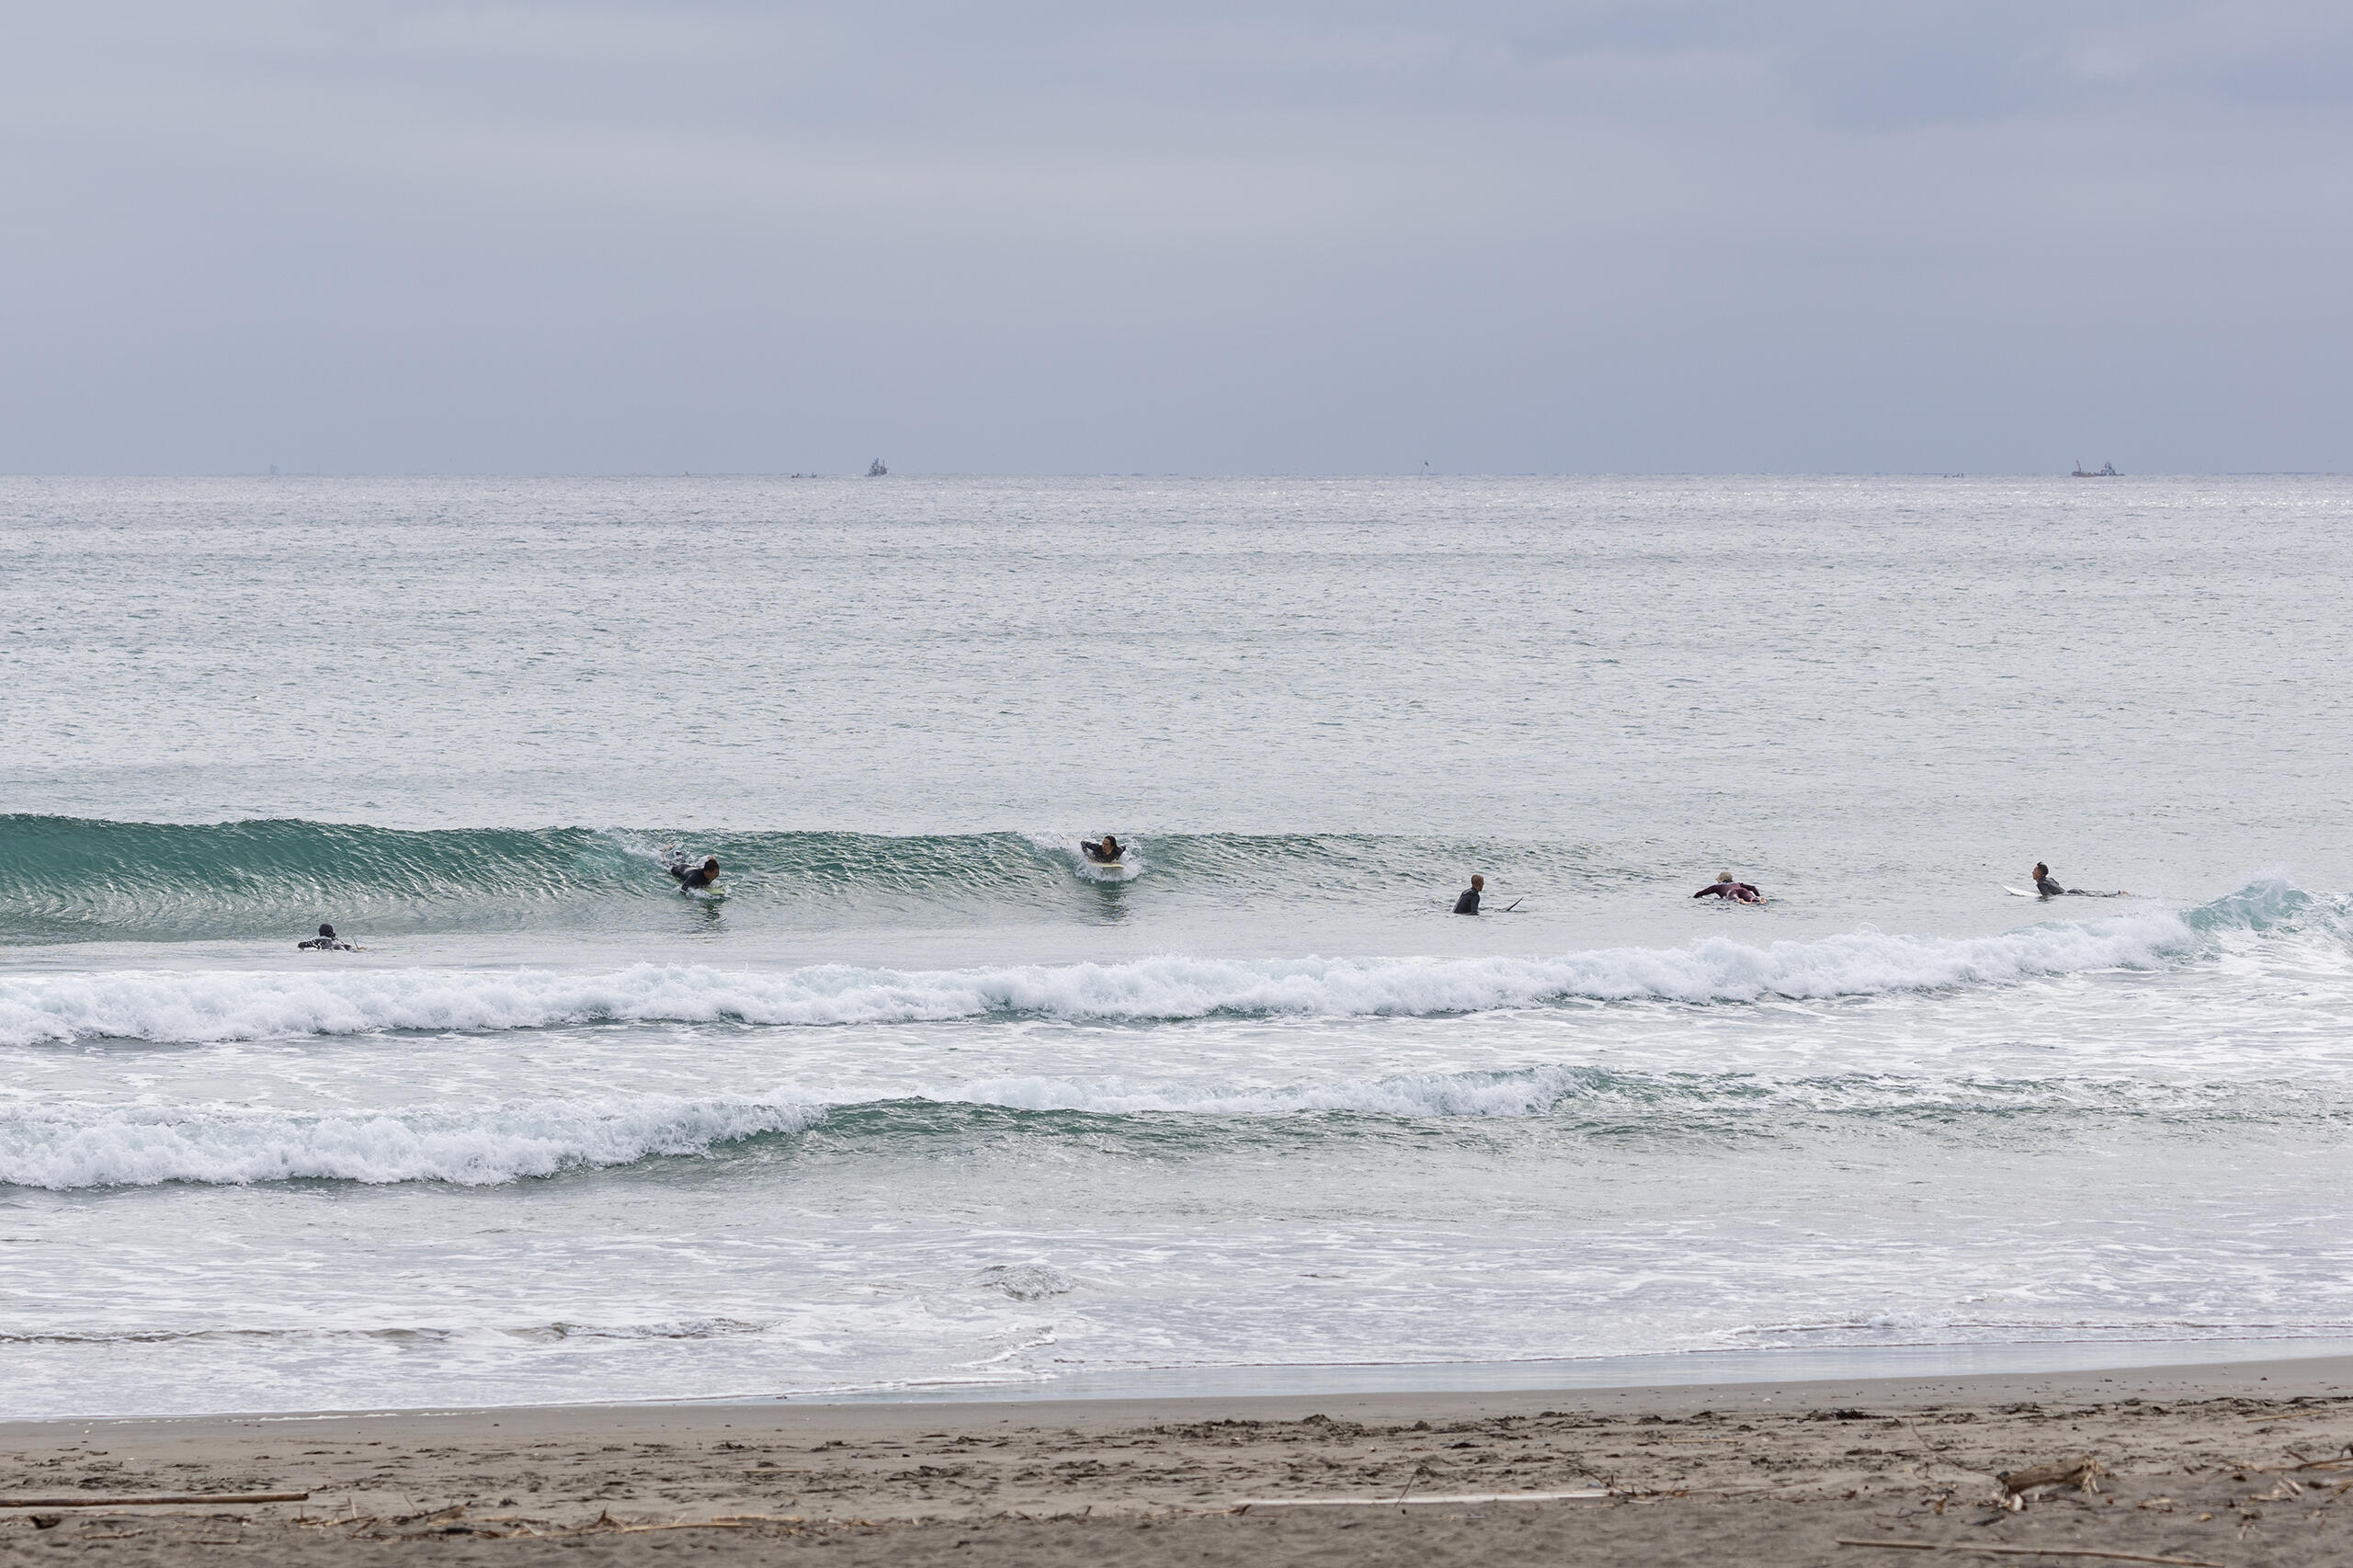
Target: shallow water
x,y
928,1101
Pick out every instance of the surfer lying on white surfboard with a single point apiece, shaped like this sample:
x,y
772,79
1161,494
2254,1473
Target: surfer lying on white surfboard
x,y
694,879
2048,886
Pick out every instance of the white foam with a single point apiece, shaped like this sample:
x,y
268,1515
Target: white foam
x,y
75,1146
81,1145
1509,1094
214,1005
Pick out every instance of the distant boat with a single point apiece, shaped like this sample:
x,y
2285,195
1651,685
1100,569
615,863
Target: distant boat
x,y
876,470
2105,471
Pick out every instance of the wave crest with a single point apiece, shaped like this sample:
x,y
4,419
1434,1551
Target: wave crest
x,y
169,1007
77,1146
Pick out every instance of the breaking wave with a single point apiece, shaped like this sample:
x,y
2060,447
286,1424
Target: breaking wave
x,y
76,879
171,1007
77,1146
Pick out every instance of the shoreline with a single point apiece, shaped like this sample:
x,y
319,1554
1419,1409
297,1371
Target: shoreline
x,y
2258,1378
2282,1378
1660,1379
2202,1462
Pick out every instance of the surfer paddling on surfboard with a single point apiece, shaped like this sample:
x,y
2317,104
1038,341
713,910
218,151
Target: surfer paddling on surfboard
x,y
1104,853
694,878
1725,887
2048,886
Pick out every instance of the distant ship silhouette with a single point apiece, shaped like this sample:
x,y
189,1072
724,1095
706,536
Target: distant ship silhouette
x,y
876,470
2105,471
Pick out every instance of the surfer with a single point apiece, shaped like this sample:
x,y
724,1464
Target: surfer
x,y
2048,886
1104,853
1469,902
1724,887
694,879
326,942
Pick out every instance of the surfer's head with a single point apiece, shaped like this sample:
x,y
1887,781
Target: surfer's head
x,y
1110,843
712,864
1478,881
2041,870
327,930
1723,876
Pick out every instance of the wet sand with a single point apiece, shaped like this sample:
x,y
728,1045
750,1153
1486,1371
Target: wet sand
x,y
2228,1464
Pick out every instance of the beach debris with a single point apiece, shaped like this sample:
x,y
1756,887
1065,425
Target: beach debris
x,y
2031,1552
1424,1500
2081,1473
47,1521
102,1501
454,1520
2340,1462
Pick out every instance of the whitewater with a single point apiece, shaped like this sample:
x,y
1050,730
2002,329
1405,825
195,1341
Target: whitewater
x,y
928,1103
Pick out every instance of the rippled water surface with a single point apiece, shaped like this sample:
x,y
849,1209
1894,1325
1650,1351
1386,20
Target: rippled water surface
x,y
926,1099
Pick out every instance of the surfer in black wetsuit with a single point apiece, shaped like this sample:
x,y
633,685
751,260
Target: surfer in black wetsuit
x,y
694,879
1724,887
2048,886
1469,902
1105,853
326,942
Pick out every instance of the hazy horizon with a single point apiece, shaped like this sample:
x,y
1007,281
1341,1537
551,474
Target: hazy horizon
x,y
1302,474
1288,238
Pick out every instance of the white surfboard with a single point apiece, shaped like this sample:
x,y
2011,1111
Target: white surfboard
x,y
2018,892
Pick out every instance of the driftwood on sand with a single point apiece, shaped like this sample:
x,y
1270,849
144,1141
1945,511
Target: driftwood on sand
x,y
2030,1552
86,1501
2083,1474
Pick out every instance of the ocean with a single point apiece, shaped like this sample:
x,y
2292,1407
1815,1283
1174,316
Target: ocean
x,y
928,1103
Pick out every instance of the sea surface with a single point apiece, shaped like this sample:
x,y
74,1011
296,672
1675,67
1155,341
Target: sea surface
x,y
929,1103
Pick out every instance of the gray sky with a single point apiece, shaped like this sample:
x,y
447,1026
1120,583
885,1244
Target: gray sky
x,y
1211,238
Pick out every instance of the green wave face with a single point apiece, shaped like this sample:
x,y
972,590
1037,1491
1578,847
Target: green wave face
x,y
71,880
68,880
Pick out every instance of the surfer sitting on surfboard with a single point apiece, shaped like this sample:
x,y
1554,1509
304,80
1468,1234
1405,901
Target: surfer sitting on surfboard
x,y
694,879
1724,887
1105,853
1469,902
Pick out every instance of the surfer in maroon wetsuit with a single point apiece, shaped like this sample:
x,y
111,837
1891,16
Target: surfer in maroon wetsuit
x,y
1725,887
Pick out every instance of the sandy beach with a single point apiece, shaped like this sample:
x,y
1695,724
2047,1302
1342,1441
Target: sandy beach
x,y
2235,1464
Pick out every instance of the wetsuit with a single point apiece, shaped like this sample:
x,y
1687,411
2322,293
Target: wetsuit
x,y
1739,892
326,945
2048,887
696,878
1469,902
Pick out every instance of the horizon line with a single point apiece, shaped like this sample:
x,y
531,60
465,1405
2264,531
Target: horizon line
x,y
1177,474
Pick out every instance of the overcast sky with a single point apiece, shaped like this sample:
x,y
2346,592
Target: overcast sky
x,y
1209,238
